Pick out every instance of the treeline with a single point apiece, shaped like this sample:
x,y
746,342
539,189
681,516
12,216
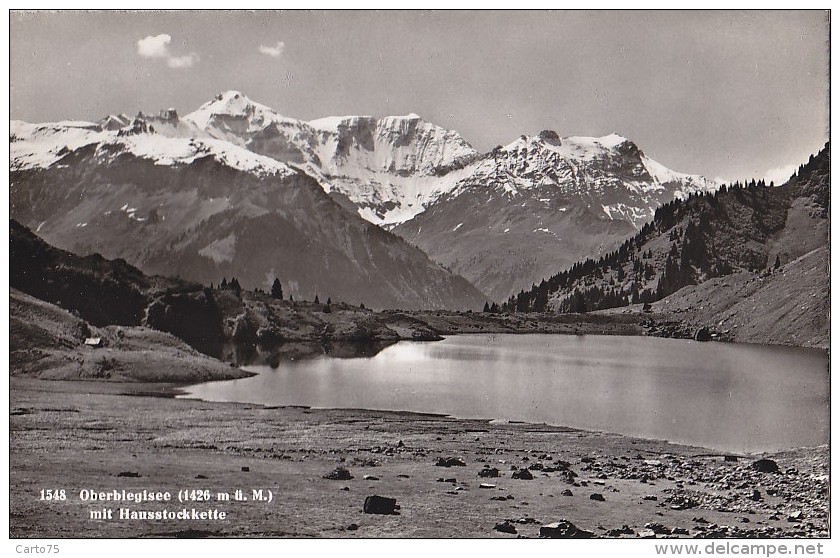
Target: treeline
x,y
276,292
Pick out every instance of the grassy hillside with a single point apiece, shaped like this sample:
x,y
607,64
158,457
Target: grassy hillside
x,y
49,342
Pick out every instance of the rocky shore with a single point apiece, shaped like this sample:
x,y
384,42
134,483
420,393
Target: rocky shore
x,y
446,477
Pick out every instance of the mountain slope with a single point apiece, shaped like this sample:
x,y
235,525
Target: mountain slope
x,y
769,244
205,208
540,204
562,198
385,169
787,307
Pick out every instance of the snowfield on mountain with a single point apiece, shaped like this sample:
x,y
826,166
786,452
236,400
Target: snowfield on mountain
x,y
563,198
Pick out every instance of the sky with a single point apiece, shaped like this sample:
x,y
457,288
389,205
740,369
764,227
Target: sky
x,y
730,95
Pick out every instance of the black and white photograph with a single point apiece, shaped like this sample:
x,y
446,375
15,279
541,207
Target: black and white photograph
x,y
420,274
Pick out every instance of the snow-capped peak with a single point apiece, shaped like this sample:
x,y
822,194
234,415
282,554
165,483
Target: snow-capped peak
x,y
43,145
612,140
233,105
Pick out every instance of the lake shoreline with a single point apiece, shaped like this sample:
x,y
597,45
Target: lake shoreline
x,y
114,435
706,394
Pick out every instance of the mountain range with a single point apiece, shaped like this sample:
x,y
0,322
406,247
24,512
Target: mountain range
x,y
390,212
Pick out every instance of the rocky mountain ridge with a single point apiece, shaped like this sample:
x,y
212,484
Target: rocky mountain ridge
x,y
204,209
503,220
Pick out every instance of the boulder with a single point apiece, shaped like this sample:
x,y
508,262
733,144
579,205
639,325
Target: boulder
x,y
703,334
339,473
566,492
679,531
564,530
505,527
380,505
597,497
488,472
658,528
623,530
522,474
450,462
765,466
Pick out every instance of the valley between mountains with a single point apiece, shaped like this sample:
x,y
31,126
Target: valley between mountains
x,y
398,213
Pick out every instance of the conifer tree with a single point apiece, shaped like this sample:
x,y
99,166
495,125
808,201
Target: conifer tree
x,y
277,289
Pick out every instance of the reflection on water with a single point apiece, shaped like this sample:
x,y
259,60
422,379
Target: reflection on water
x,y
724,396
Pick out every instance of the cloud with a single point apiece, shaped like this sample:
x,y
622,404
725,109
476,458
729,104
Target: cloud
x,y
158,47
780,175
182,61
154,47
273,51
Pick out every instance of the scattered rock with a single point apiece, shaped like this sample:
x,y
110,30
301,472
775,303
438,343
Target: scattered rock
x,y
339,473
486,485
646,534
567,492
624,530
352,527
765,466
795,516
703,334
370,478
200,477
755,496
681,502
522,474
679,531
658,528
597,497
450,462
564,530
730,458
488,472
130,474
380,505
499,498
505,527
246,469
650,497
523,520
